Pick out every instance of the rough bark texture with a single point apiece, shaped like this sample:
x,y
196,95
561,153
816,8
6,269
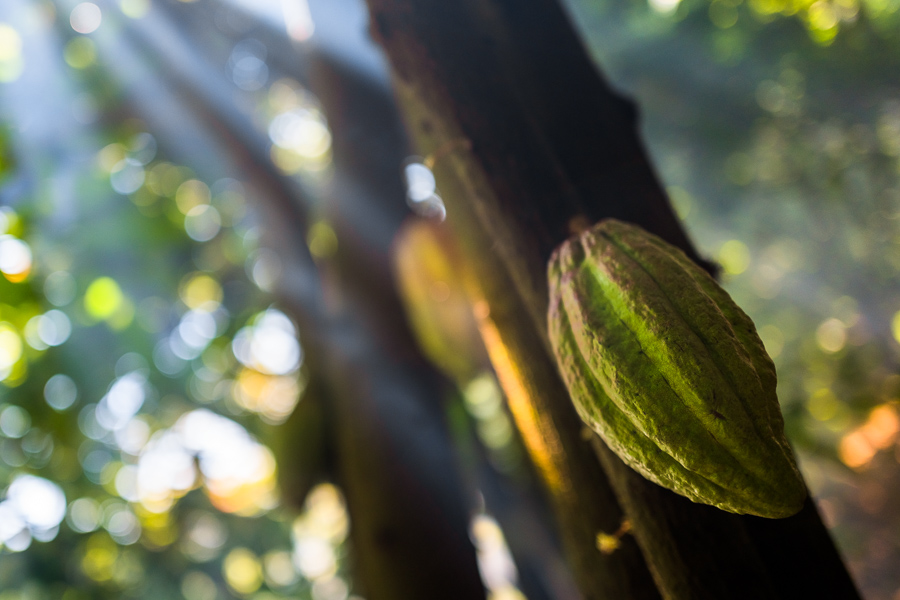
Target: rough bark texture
x,y
539,146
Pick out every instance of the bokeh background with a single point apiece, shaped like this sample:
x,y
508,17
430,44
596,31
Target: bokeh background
x,y
149,352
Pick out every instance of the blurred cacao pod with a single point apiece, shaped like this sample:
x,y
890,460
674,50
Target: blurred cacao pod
x,y
432,282
666,368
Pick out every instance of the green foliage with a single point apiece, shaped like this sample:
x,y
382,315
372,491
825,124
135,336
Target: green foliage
x,y
137,383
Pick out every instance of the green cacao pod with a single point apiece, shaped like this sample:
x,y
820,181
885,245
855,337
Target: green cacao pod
x,y
670,372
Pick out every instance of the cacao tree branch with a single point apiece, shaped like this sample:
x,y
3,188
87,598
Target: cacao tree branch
x,y
551,149
584,503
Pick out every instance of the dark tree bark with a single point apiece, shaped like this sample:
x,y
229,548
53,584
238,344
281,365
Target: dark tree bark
x,y
534,145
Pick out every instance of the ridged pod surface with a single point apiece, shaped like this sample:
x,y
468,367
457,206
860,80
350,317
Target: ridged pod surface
x,y
670,372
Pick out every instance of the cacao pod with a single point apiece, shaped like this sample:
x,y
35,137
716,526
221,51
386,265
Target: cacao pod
x,y
669,371
431,277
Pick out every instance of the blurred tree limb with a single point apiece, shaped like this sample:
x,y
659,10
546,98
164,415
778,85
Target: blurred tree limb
x,y
394,461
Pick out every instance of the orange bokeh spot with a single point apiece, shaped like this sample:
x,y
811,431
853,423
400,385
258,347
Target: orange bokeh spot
x,y
859,447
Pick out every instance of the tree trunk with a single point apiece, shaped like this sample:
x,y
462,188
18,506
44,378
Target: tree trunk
x,y
534,145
